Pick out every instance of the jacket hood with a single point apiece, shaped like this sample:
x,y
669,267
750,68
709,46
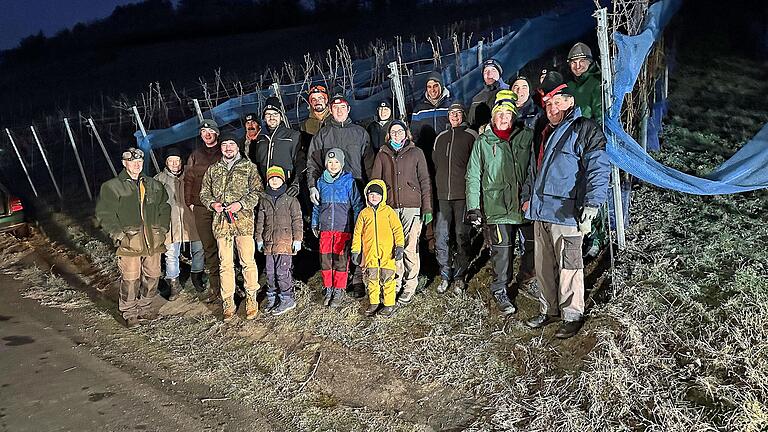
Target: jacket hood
x,y
383,188
592,71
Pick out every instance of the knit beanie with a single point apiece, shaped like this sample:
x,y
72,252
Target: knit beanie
x,y
578,51
172,151
228,136
335,153
210,124
456,106
375,188
505,100
494,64
272,103
275,171
553,84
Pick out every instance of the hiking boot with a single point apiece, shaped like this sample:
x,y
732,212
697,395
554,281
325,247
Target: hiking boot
x,y
458,286
568,329
269,303
328,296
147,317
175,288
229,311
372,309
338,297
197,281
387,311
357,291
251,308
541,320
530,289
505,306
443,287
404,299
286,304
422,283
132,322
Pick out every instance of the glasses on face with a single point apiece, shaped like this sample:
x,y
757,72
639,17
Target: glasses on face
x,y
398,132
271,115
454,113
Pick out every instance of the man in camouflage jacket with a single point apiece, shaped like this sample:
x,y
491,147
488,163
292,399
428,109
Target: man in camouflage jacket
x,y
231,190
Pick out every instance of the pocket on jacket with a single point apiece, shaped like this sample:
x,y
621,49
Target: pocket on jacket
x,y
132,242
560,180
572,258
158,236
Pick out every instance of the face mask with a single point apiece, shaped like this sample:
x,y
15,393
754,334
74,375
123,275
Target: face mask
x,y
396,145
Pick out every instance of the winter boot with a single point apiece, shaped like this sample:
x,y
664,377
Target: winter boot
x,y
197,281
387,311
372,309
229,310
251,307
568,329
328,296
269,303
175,288
286,303
443,287
459,286
338,297
357,291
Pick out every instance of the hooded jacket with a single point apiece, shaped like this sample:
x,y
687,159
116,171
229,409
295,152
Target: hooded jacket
x,y
240,183
430,117
377,130
197,164
496,173
378,232
279,147
135,214
587,89
351,138
183,227
279,223
406,176
574,172
482,103
451,156
340,203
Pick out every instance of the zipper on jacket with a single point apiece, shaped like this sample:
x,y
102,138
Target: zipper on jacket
x,y
376,234
449,154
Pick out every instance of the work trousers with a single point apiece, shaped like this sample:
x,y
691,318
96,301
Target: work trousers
x,y
407,275
449,224
246,250
279,270
559,270
378,280
334,258
138,284
204,225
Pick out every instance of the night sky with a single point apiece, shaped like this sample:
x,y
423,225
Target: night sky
x,y
21,18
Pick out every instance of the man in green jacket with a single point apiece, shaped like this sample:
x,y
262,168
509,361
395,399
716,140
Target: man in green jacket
x,y
133,210
495,175
586,83
230,189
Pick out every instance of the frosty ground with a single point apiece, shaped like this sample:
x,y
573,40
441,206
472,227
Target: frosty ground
x,y
678,341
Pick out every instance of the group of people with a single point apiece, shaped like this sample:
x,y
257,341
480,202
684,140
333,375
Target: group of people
x,y
525,164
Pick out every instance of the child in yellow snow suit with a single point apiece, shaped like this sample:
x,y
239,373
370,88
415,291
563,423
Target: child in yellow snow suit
x,y
379,236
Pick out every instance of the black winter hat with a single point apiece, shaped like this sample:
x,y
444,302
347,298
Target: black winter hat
x,y
398,122
375,189
494,64
172,151
553,84
210,124
251,117
272,103
435,76
229,136
385,103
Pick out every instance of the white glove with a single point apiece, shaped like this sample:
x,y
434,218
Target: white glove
x,y
585,220
314,195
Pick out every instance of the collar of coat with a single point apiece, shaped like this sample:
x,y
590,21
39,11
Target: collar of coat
x,y
387,148
443,96
332,122
126,177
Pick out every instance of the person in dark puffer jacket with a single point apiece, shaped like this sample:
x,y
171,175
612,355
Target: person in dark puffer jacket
x,y
378,128
451,156
279,233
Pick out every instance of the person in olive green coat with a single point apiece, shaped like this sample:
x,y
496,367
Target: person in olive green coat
x,y
495,175
133,210
586,85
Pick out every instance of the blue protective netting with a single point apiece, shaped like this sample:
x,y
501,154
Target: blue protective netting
x,y
747,170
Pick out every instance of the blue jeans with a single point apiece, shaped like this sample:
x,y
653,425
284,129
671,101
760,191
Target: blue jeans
x,y
172,253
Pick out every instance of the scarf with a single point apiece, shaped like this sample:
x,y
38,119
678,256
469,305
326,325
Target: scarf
x,y
276,193
330,178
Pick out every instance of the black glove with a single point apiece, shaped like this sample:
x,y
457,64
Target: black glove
x,y
293,190
474,217
398,255
356,259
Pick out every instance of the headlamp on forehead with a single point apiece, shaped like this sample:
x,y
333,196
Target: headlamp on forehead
x,y
133,154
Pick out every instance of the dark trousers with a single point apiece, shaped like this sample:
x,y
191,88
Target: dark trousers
x,y
527,269
279,269
334,258
449,224
204,225
503,238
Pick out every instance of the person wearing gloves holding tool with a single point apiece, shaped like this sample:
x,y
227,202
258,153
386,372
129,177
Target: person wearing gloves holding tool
x,y
403,168
379,237
279,234
495,173
567,183
230,190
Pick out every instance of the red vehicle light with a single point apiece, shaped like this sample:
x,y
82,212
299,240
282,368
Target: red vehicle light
x,y
16,205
